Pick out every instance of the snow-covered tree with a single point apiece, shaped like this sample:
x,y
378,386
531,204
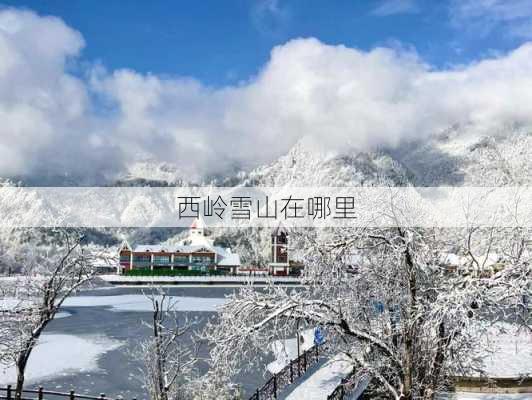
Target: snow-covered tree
x,y
53,264
170,358
168,363
388,299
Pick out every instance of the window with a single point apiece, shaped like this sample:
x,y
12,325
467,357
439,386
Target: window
x,y
201,260
180,259
142,260
161,260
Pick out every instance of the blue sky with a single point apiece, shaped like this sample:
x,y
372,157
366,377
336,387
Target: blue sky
x,y
224,42
104,88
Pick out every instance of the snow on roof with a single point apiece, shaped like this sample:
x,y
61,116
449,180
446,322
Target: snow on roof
x,y
279,229
231,259
198,223
452,259
227,258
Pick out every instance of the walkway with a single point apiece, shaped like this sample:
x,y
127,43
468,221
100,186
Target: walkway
x,y
322,382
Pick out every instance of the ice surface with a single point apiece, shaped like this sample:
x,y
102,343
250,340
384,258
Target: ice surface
x,y
57,354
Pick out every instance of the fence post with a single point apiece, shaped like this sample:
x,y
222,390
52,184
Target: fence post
x,y
72,395
305,361
8,392
39,393
275,385
291,372
317,354
258,394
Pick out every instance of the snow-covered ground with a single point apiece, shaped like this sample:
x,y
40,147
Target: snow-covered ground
x,y
483,396
59,354
286,350
322,382
139,302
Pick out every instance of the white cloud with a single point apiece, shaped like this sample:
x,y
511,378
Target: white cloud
x,y
515,16
341,98
392,7
44,110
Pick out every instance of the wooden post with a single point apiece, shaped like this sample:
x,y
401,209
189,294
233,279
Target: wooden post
x,y
72,395
305,361
39,393
258,394
8,392
275,386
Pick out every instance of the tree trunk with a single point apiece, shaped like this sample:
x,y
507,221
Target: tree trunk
x,y
21,368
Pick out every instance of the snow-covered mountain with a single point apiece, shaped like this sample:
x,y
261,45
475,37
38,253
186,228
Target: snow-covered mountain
x,y
456,158
453,158
305,166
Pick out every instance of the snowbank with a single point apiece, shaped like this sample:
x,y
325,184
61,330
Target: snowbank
x,y
483,396
57,354
8,303
286,350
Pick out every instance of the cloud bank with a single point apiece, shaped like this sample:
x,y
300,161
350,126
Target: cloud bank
x,y
97,123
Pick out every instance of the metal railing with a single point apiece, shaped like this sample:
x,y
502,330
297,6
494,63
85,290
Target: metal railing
x,y
293,370
8,393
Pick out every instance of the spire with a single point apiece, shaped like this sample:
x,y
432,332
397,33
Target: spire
x,y
197,227
124,246
279,230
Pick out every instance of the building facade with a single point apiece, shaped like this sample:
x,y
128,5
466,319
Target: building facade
x,y
195,253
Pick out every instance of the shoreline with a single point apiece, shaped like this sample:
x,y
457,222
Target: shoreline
x,y
222,281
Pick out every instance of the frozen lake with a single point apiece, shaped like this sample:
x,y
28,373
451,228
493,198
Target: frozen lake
x,y
88,347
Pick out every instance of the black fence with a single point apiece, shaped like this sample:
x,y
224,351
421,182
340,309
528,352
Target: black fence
x,y
287,375
8,393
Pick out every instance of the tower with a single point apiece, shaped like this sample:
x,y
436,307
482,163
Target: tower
x,y
197,228
125,253
279,262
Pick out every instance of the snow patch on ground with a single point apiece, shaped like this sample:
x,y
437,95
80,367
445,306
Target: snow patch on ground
x,y
139,302
57,354
286,350
483,396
